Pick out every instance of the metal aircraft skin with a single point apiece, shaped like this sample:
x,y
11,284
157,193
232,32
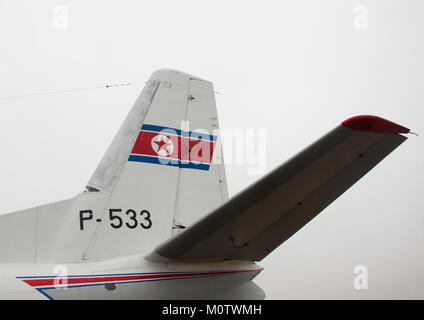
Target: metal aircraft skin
x,y
155,221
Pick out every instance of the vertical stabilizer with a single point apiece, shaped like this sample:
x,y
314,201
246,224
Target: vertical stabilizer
x,y
163,169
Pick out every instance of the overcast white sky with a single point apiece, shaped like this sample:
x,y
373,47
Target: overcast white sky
x,y
293,68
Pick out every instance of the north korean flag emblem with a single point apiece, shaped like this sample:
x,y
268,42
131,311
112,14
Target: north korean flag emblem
x,y
173,147
162,145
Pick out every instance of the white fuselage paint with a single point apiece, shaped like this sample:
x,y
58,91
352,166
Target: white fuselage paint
x,y
130,277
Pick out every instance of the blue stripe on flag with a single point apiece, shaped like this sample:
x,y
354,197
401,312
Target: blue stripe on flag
x,y
151,127
169,162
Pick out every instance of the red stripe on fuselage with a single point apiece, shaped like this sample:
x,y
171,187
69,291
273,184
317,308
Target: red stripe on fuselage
x,y
122,278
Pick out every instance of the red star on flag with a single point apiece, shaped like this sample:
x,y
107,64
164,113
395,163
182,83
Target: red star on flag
x,y
162,144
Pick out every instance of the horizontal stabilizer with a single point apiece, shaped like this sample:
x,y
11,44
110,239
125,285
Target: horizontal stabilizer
x,y
256,221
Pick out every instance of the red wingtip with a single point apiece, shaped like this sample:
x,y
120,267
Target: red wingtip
x,y
373,124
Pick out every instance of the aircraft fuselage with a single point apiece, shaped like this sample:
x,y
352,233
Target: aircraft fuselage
x,y
129,278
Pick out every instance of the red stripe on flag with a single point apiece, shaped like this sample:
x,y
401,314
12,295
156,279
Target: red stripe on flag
x,y
174,147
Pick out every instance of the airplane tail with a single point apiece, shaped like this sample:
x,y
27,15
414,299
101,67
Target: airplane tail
x,y
162,171
164,164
